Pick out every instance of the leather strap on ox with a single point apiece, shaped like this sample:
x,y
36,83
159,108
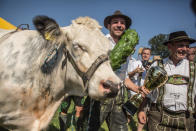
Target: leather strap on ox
x,y
86,76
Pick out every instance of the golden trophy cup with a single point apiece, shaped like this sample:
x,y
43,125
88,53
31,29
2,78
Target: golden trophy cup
x,y
155,78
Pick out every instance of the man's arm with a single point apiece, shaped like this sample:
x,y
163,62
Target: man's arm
x,y
130,85
131,66
142,111
137,70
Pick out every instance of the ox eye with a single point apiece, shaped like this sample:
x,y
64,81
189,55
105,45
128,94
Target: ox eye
x,y
83,48
77,47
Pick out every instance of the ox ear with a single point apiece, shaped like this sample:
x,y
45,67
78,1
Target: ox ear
x,y
47,27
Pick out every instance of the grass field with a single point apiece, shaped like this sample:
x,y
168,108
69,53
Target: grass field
x,y
54,125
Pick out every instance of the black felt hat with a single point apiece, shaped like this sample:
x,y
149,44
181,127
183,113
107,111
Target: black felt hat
x,y
179,36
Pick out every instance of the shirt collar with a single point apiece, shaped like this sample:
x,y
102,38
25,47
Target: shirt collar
x,y
169,61
111,39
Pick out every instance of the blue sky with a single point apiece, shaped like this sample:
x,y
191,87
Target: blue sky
x,y
150,17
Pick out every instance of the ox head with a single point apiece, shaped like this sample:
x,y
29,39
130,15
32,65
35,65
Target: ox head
x,y
84,44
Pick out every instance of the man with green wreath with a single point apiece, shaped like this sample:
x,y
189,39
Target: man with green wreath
x,y
110,110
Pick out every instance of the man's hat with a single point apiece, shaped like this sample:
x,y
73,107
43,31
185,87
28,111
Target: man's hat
x,y
117,13
179,36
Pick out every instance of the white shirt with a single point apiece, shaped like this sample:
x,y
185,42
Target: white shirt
x,y
130,60
132,65
121,72
175,96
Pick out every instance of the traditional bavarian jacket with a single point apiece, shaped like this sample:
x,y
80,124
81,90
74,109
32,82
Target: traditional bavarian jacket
x,y
174,96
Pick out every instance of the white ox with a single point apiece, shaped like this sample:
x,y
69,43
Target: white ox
x,y
36,73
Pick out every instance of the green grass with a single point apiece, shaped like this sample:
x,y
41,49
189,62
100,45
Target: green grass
x,y
54,124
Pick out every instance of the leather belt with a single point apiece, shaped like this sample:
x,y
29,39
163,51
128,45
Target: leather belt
x,y
187,114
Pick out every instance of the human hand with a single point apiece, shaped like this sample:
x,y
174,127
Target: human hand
x,y
139,70
143,91
142,117
147,67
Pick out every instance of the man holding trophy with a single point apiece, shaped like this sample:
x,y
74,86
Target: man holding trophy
x,y
172,105
136,71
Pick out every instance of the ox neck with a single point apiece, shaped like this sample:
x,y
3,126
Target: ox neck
x,y
86,76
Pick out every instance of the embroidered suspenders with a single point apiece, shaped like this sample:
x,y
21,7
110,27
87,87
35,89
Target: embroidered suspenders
x,y
161,89
190,87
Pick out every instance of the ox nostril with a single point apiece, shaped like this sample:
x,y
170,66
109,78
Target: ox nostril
x,y
108,84
112,86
